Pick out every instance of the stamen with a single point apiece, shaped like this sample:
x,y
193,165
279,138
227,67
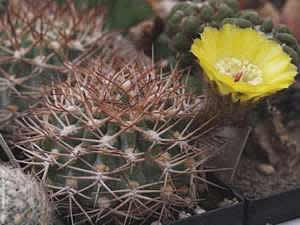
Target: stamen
x,y
240,70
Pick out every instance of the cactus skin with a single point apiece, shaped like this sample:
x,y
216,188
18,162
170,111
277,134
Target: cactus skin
x,y
23,200
115,143
36,37
187,19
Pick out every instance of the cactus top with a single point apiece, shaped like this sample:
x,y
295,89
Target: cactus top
x,y
243,62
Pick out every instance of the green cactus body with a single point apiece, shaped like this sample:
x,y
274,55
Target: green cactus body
x,y
23,200
36,38
115,142
187,18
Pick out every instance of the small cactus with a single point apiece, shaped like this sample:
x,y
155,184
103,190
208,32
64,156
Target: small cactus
x,y
23,200
187,20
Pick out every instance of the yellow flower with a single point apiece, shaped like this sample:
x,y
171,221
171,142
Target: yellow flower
x,y
243,62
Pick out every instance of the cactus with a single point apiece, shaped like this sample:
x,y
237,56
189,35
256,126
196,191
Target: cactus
x,y
115,143
36,38
187,19
23,200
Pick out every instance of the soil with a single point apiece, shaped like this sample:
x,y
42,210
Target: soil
x,y
255,183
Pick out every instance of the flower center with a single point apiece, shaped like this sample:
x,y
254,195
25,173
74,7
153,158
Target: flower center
x,y
240,70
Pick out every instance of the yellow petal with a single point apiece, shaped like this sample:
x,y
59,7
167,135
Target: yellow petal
x,y
277,71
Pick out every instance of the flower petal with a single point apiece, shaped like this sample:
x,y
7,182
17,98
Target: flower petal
x,y
277,71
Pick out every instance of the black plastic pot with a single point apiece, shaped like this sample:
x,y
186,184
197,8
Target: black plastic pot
x,y
232,215
274,209
228,215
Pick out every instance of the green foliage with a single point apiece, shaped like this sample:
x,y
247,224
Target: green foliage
x,y
123,14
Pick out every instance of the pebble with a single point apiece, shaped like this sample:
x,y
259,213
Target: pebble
x,y
198,210
156,223
183,215
228,202
266,169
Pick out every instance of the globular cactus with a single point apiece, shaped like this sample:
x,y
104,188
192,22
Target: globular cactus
x,y
36,37
115,142
23,200
187,20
